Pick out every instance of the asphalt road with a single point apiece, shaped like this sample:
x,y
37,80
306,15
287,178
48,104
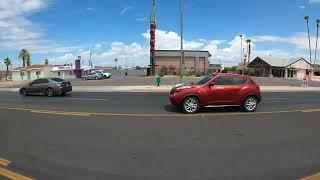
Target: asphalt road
x,y
140,136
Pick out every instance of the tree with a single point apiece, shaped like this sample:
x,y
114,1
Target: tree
x,y
307,20
25,57
7,62
28,61
46,62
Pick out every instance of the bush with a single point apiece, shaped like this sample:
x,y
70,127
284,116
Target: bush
x,y
163,71
189,73
198,74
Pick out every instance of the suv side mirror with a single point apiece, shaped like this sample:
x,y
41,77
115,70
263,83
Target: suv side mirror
x,y
211,84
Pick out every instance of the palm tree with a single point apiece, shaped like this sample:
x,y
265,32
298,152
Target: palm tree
x,y
315,59
24,56
307,20
7,62
46,62
28,60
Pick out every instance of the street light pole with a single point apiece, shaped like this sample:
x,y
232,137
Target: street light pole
x,y
315,56
181,43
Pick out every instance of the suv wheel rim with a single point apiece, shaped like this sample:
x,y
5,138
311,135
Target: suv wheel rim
x,y
251,104
191,105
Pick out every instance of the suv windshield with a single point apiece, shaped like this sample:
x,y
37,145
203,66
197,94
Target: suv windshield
x,y
205,79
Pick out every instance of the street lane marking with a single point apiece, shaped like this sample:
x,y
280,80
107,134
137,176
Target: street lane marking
x,y
87,99
312,177
12,175
4,162
60,113
86,114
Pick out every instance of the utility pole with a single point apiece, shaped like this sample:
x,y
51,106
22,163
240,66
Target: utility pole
x,y
241,54
117,71
181,43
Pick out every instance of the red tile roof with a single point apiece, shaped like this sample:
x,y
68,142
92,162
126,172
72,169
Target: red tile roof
x,y
34,66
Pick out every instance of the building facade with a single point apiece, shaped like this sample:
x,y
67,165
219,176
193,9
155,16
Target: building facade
x,y
297,68
195,61
31,72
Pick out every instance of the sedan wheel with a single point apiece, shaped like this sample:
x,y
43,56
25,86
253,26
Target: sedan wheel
x,y
50,92
250,104
24,92
190,105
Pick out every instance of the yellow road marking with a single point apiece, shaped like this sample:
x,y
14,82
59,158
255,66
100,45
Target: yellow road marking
x,y
312,177
86,114
4,162
12,175
60,113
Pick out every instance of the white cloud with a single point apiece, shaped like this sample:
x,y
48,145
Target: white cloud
x,y
142,19
302,7
314,1
89,9
97,46
17,32
299,39
125,10
227,52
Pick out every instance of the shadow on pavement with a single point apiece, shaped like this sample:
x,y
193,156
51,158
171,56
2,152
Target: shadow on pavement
x,y
175,109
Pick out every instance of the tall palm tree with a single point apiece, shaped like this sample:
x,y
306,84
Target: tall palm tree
x,y
24,56
307,20
46,62
28,60
7,62
315,56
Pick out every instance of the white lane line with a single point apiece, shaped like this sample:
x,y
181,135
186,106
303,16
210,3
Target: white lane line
x,y
87,99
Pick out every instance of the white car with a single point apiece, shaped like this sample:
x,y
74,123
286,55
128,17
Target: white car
x,y
105,75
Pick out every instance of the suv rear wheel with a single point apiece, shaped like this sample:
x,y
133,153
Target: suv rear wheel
x,y
190,105
250,104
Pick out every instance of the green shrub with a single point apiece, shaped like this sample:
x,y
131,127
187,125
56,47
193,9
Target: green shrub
x,y
163,71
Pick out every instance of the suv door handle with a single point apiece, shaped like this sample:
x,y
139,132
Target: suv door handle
x,y
226,89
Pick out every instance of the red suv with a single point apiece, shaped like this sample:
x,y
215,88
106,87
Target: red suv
x,y
217,90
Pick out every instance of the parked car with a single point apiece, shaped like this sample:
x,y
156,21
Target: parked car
x,y
93,76
105,75
217,90
47,86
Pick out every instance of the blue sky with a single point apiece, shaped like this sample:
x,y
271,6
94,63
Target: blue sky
x,y
60,30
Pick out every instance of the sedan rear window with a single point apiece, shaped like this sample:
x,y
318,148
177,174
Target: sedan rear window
x,y
57,79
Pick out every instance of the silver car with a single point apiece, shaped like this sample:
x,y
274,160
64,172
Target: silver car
x,y
93,76
47,86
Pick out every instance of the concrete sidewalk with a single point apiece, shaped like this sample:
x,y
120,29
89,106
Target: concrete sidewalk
x,y
168,88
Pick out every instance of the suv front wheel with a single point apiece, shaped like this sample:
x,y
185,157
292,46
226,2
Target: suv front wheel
x,y
250,104
190,105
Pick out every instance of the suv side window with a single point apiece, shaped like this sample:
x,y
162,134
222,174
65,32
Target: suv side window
x,y
239,81
223,80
